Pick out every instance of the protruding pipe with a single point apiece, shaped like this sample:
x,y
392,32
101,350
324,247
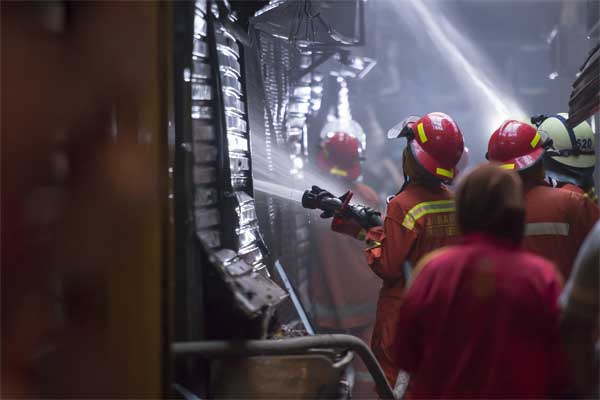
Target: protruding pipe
x,y
298,345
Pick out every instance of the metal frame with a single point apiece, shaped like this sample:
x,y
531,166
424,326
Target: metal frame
x,y
301,345
189,276
260,17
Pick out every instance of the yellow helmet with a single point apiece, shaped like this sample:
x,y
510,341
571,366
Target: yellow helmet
x,y
573,147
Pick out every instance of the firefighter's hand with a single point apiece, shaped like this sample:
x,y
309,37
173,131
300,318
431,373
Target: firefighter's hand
x,y
348,226
365,216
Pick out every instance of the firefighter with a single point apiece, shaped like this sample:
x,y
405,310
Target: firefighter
x,y
570,162
419,219
480,319
343,289
557,221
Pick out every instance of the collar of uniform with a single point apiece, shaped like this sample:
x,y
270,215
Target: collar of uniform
x,y
481,237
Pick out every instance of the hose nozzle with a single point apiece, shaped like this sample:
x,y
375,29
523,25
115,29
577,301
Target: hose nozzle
x,y
317,198
310,198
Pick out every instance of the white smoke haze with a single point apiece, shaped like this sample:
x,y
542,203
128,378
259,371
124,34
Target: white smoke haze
x,y
432,26
279,181
466,63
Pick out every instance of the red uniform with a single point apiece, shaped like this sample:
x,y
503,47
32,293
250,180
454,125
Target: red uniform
x,y
557,222
418,220
480,320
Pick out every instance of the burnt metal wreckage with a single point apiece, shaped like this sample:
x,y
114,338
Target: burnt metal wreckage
x,y
247,73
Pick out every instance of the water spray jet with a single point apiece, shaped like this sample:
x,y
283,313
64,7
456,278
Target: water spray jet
x,y
467,63
277,190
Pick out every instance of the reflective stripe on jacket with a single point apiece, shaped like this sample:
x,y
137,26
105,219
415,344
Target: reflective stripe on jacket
x,y
417,221
557,222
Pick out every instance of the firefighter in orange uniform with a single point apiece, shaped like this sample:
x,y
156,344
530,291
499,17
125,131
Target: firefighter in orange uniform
x,y
343,290
557,221
480,319
419,219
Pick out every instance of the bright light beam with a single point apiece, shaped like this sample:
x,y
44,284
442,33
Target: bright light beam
x,y
501,108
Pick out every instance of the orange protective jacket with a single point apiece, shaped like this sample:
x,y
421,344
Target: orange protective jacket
x,y
418,220
343,290
557,222
590,194
572,188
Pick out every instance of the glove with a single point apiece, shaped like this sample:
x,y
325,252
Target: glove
x,y
366,217
348,226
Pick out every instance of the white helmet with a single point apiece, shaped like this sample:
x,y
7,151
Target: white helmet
x,y
573,147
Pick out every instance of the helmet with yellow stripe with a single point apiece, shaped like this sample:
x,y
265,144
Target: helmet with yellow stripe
x,y
435,141
339,155
515,145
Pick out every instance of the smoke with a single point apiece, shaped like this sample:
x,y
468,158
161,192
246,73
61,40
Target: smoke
x,y
466,63
277,190
275,174
491,103
447,40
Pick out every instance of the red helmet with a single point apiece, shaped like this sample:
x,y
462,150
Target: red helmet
x,y
339,155
435,141
516,145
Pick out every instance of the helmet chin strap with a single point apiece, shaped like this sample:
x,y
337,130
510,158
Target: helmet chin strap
x,y
570,130
407,178
404,185
416,173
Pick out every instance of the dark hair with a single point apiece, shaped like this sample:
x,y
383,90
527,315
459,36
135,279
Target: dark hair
x,y
534,173
490,200
417,173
